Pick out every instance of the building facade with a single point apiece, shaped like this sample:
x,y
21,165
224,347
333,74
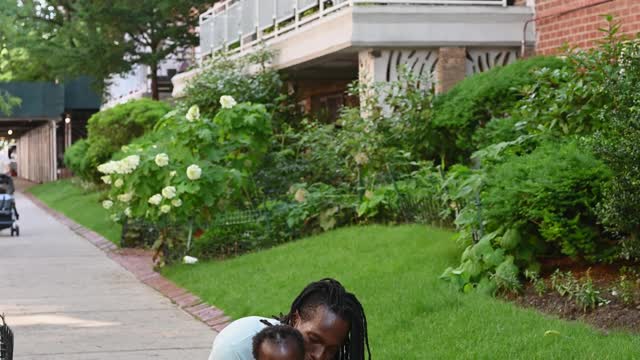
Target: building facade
x,y
136,84
576,22
49,119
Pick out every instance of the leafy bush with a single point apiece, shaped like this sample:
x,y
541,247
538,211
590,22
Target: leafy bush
x,y
542,203
75,158
474,102
497,131
113,128
231,240
617,146
319,207
247,79
416,197
568,100
189,168
357,152
553,191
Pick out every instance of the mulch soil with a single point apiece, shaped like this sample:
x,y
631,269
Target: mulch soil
x,y
616,315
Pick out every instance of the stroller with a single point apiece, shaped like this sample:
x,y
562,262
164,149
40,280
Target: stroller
x,y
8,213
6,341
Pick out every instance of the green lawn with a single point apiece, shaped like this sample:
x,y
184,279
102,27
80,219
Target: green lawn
x,y
412,314
81,205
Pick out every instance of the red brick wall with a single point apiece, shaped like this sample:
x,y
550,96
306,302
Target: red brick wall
x,y
580,27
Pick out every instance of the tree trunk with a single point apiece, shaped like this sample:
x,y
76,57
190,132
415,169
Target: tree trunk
x,y
155,95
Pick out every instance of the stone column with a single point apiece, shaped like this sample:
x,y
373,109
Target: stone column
x,y
451,67
370,71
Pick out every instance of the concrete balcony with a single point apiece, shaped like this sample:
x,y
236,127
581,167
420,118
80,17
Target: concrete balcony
x,y
323,39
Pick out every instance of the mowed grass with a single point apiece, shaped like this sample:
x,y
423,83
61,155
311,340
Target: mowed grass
x,y
412,314
83,206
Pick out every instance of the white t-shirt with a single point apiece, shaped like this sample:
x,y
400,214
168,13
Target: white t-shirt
x,y
235,342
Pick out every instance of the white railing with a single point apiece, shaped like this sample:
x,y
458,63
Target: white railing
x,y
236,25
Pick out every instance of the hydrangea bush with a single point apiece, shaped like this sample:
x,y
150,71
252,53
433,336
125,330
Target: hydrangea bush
x,y
189,167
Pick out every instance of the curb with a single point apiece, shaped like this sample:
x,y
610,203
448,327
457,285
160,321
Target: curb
x,y
139,262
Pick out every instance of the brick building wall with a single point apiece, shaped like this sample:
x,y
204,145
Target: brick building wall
x,y
577,21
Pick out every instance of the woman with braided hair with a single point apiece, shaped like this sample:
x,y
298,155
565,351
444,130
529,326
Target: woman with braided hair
x,y
331,320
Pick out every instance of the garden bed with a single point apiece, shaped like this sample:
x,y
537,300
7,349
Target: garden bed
x,y
613,313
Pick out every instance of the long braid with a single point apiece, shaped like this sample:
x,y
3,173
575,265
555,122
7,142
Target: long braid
x,y
330,293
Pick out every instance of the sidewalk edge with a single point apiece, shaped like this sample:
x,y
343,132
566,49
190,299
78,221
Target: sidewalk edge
x,y
139,263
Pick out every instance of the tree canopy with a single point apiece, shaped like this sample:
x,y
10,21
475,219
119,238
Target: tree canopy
x,y
59,39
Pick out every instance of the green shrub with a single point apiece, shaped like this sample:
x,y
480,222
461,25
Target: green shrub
x,y
75,158
188,170
357,152
569,100
497,131
542,203
416,197
319,207
113,128
230,240
617,146
550,194
247,79
474,102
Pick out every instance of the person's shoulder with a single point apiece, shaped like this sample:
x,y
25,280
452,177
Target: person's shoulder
x,y
245,327
236,340
251,323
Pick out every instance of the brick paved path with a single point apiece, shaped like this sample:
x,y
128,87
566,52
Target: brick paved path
x,y
66,299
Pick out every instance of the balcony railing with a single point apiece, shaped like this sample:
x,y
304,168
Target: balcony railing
x,y
236,25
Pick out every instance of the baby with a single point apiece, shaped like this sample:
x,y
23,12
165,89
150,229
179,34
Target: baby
x,y
279,342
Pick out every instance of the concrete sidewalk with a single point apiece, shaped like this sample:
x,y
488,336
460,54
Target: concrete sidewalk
x,y
65,299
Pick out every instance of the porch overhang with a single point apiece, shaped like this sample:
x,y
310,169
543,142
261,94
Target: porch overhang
x,y
342,34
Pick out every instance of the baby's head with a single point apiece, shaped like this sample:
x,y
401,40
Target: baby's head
x,y
279,342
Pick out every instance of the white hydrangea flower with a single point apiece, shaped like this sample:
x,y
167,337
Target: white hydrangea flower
x,y
132,162
107,204
124,166
118,183
126,197
173,173
108,167
194,113
127,212
120,167
169,192
155,199
300,195
162,160
106,179
165,209
176,202
361,158
194,172
227,102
